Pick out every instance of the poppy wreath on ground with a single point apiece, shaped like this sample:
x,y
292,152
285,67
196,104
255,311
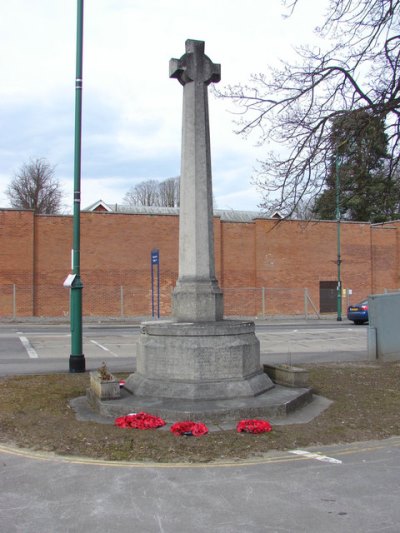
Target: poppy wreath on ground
x,y
253,426
139,421
189,428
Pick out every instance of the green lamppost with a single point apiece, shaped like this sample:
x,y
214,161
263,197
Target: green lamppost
x,y
77,359
339,260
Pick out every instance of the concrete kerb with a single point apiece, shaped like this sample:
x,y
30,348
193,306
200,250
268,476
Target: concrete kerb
x,y
135,321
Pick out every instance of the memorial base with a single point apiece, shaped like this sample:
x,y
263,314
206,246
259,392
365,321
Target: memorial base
x,y
198,361
276,403
198,302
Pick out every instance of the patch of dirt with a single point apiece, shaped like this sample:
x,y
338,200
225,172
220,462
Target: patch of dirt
x,y
35,414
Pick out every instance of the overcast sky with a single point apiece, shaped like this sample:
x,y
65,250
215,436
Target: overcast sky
x,y
131,109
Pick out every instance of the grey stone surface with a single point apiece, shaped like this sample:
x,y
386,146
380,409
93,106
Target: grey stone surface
x,y
278,402
214,360
197,296
198,356
200,300
288,375
84,412
104,390
198,329
191,366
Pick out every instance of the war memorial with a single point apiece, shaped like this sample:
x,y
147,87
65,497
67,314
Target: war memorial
x,y
197,364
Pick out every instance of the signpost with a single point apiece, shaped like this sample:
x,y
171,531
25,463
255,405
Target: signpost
x,y
155,263
338,217
339,260
77,359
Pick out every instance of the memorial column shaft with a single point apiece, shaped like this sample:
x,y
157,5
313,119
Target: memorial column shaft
x,y
196,215
197,296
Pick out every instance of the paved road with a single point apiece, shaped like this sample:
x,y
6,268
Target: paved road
x,y
27,348
344,488
30,348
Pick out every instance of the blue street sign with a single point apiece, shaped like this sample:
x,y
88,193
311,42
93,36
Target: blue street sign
x,y
155,262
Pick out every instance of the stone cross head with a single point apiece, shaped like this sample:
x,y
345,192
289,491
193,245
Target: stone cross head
x,y
194,65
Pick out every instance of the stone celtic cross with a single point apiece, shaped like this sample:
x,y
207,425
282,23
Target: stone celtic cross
x,y
197,296
197,355
194,65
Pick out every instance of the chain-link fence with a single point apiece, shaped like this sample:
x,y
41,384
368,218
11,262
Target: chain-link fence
x,y
18,301
391,290
264,301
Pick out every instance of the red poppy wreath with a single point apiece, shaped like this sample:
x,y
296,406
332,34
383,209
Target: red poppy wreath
x,y
189,428
139,421
253,426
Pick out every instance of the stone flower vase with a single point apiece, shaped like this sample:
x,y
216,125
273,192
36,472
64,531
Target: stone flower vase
x,y
104,385
288,375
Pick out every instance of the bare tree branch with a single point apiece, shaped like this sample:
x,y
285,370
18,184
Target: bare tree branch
x,y
169,192
295,105
35,187
154,193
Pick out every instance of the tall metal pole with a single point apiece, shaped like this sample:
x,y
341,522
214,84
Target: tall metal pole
x,y
77,359
339,260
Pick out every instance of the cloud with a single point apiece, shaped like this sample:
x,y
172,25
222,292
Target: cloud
x,y
131,109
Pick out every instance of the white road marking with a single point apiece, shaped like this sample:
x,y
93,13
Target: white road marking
x,y
28,347
317,456
46,335
104,348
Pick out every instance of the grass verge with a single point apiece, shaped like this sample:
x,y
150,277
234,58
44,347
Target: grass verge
x,y
35,414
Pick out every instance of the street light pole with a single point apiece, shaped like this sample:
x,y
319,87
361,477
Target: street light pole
x,y
339,260
77,359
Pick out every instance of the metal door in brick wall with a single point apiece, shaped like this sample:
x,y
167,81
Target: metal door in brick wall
x,y
327,296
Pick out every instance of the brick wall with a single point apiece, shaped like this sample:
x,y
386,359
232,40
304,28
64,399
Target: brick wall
x,y
238,269
17,229
53,243
297,254
284,257
385,257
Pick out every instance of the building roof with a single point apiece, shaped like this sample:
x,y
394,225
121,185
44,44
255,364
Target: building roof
x,y
229,215
99,206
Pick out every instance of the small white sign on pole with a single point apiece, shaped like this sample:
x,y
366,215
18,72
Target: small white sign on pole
x,y
69,280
